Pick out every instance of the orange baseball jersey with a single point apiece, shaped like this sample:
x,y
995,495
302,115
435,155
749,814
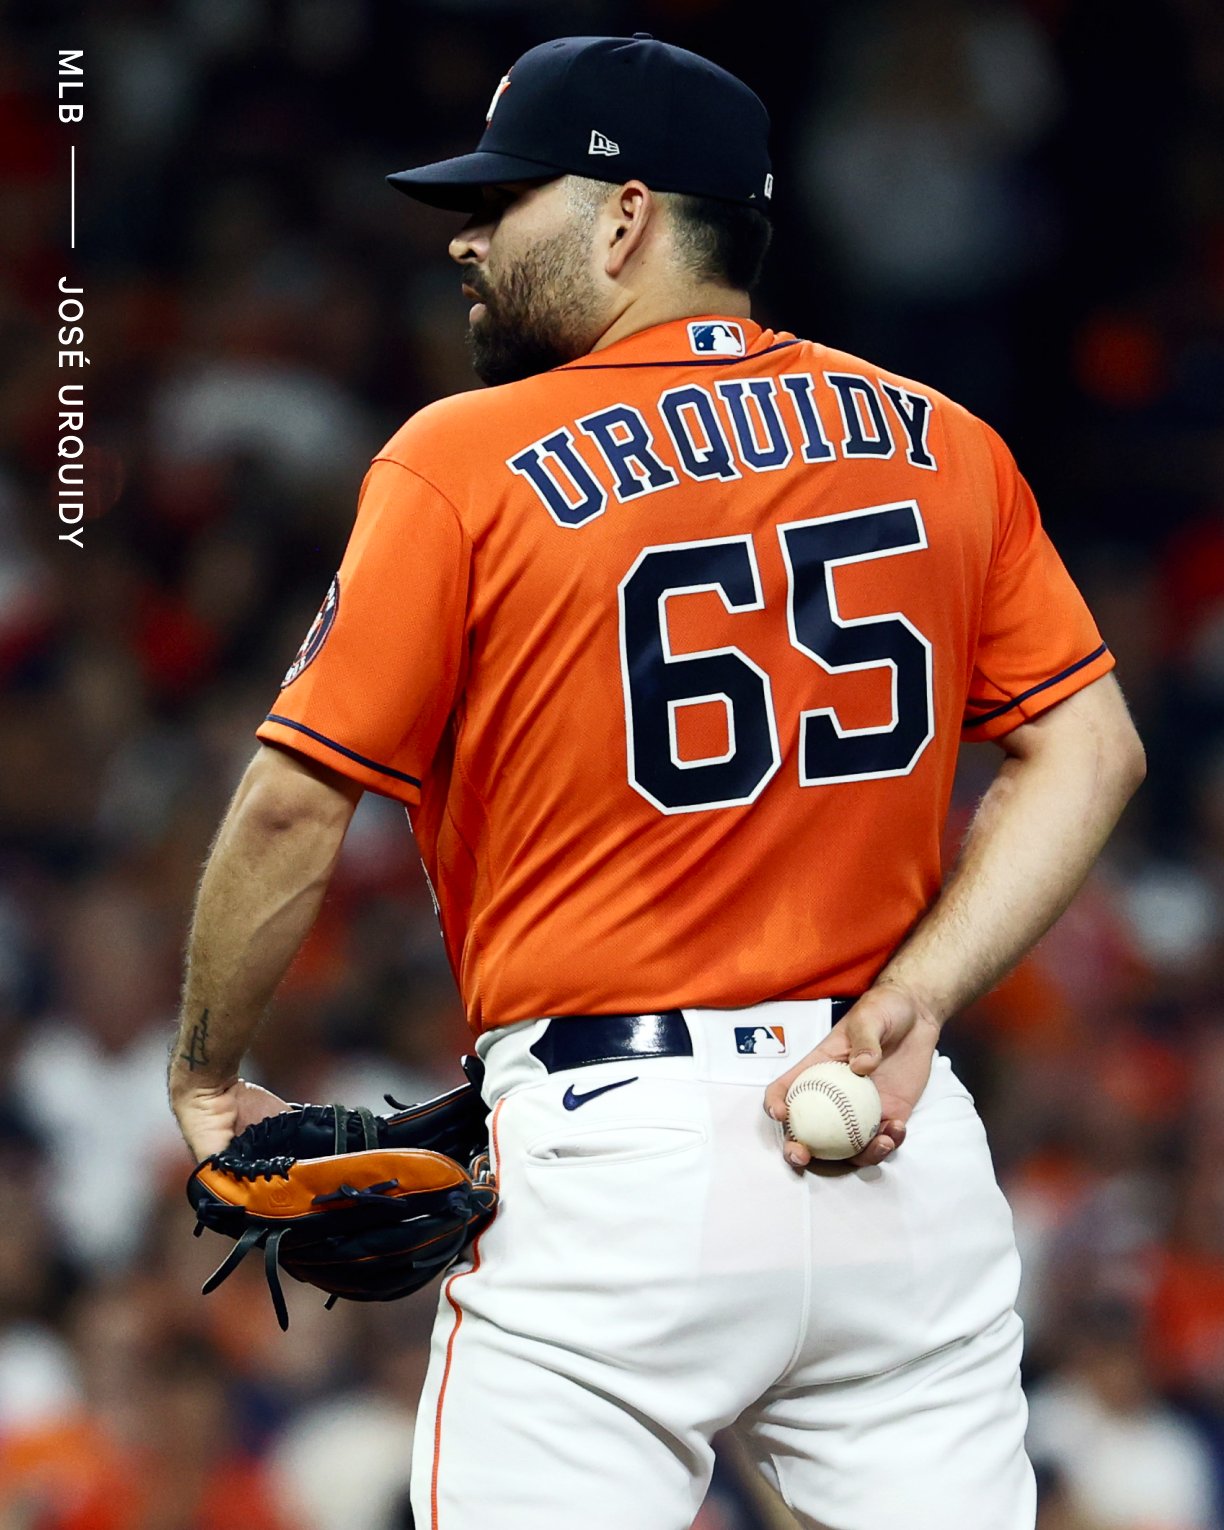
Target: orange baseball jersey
x,y
669,652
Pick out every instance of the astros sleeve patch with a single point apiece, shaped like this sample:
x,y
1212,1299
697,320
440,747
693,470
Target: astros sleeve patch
x,y
372,685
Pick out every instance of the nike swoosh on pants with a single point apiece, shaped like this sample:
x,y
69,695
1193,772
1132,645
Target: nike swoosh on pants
x,y
572,1101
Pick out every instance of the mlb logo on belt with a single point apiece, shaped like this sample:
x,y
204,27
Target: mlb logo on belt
x,y
761,1040
716,337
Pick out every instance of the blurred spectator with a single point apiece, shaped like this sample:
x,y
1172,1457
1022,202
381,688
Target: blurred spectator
x,y
916,167
1186,1312
1056,1509
158,1453
1128,1462
90,1078
38,1370
343,1464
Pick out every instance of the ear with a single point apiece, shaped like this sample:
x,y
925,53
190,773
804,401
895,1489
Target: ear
x,y
629,214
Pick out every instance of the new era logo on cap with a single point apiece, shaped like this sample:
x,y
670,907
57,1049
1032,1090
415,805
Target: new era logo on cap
x,y
716,338
600,144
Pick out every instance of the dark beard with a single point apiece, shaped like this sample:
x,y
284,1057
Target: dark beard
x,y
540,316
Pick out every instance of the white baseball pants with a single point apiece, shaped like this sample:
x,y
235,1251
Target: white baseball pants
x,y
656,1272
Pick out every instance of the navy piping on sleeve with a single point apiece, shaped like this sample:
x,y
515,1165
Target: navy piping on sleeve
x,y
683,361
350,754
976,722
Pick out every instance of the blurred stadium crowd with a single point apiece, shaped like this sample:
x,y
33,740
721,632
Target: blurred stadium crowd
x,y
1020,202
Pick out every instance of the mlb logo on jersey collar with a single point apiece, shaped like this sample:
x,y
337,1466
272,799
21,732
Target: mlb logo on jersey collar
x,y
716,337
761,1040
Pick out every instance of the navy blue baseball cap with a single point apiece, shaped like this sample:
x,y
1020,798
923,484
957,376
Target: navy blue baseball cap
x,y
613,109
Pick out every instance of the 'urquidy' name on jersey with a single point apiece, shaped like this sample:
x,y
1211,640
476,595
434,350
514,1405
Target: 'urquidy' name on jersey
x,y
669,652
753,432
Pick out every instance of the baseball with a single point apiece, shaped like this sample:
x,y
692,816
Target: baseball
x,y
832,1110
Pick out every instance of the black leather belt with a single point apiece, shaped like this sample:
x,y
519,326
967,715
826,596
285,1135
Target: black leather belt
x,y
577,1041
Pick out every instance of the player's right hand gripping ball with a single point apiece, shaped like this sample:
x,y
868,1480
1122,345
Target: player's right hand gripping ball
x,y
366,1207
833,1111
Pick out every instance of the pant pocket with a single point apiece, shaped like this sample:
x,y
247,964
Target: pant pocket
x,y
612,1143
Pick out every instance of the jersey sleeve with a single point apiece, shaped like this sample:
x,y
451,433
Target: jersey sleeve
x,y
374,681
1037,642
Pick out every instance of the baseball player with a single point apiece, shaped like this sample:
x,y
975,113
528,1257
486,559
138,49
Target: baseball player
x,y
667,642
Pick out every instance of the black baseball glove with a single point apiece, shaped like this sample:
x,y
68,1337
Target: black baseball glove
x,y
363,1206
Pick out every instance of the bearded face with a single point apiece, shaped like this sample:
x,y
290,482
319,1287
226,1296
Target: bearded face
x,y
540,303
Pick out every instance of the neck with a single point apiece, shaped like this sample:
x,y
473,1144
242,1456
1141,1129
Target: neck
x,y
644,312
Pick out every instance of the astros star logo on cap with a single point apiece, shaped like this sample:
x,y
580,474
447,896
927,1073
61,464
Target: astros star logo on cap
x,y
503,85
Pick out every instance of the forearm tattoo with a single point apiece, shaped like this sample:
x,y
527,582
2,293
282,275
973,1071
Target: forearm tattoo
x,y
196,1055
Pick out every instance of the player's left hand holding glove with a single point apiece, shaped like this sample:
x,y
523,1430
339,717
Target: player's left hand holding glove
x,y
366,1207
